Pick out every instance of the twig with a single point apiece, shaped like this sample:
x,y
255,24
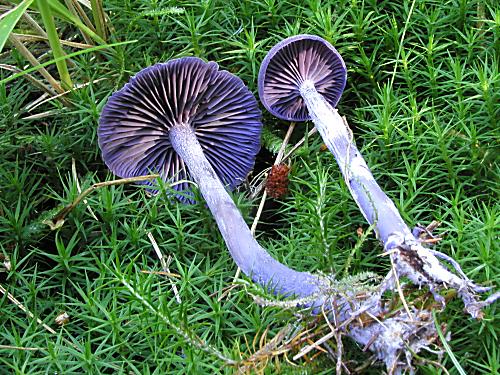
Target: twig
x,y
58,220
164,265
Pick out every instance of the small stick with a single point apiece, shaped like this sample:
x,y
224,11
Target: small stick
x,y
277,161
164,265
58,220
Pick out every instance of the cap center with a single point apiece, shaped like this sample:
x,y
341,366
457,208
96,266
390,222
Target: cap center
x,y
306,86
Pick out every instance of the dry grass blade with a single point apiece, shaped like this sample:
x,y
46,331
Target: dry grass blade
x,y
37,38
41,115
36,27
37,83
36,103
33,61
164,265
299,144
11,347
79,188
23,308
400,291
277,161
162,273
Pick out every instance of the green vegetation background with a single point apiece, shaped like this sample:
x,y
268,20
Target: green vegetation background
x,y
422,98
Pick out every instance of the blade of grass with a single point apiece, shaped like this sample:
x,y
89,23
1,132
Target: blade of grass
x,y
9,20
446,346
55,43
63,12
99,19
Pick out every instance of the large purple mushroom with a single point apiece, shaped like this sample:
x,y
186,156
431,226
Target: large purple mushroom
x,y
186,112
138,123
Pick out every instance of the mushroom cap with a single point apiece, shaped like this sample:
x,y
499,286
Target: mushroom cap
x,y
134,125
292,61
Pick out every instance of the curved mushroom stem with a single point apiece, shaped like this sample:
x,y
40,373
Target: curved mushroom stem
x,y
411,259
253,260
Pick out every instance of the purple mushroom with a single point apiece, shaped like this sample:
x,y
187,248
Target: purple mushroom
x,y
302,78
141,122
187,113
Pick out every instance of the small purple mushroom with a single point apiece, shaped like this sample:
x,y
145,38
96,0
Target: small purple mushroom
x,y
302,78
298,62
188,113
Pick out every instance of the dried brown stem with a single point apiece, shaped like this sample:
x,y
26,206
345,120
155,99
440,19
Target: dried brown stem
x,y
58,220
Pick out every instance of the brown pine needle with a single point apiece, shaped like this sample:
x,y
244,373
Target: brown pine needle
x,y
18,348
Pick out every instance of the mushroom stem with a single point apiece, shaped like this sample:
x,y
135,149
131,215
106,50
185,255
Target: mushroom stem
x,y
253,260
411,259
376,207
